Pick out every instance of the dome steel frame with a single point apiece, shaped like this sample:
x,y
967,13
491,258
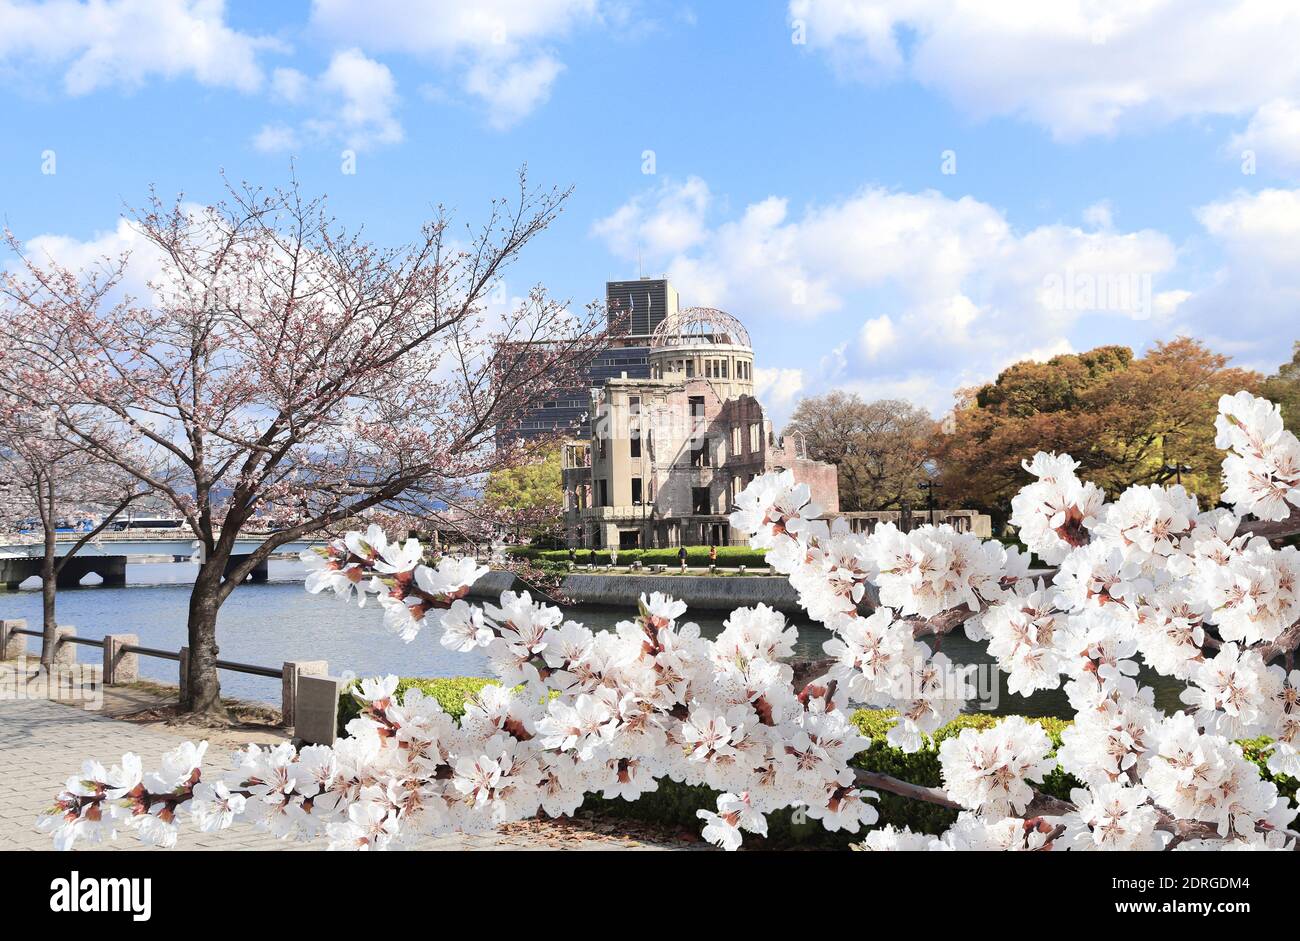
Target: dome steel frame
x,y
692,326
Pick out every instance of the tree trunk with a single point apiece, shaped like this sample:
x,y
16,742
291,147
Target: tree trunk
x,y
203,695
49,582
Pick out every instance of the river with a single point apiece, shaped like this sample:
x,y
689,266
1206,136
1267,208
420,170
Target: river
x,y
270,623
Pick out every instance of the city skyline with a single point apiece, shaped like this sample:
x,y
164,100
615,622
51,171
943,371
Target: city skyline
x,y
884,218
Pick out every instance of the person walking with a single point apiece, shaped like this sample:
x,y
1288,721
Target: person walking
x,y
713,555
681,557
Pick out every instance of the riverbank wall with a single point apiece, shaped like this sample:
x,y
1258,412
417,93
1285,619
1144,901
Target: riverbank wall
x,y
701,592
490,586
614,590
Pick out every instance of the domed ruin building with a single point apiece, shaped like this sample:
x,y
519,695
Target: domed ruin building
x,y
668,454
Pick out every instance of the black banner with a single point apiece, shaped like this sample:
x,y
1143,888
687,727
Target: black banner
x,y
169,889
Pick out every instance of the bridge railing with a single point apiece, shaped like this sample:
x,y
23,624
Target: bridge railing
x,y
121,661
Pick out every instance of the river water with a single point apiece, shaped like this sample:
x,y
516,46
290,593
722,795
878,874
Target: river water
x,y
270,623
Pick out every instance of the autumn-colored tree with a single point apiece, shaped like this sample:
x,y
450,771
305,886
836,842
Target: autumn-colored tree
x,y
881,449
1126,420
1284,388
527,498
292,371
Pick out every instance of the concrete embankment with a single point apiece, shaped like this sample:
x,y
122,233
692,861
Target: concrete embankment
x,y
490,586
704,592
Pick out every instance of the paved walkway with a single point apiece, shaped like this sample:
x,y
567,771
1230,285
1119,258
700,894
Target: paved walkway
x,y
43,742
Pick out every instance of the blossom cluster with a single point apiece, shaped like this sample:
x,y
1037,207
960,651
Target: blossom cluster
x,y
576,713
1147,579
1261,473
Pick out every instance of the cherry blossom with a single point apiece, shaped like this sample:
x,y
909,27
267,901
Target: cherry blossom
x,y
1148,579
991,770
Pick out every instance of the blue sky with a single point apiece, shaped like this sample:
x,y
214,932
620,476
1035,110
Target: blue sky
x,y
1123,172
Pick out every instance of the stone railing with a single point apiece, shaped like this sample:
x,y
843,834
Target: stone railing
x,y
121,653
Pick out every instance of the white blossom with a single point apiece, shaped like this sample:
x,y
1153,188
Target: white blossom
x,y
991,770
1148,579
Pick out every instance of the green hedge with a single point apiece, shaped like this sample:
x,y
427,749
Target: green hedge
x,y
450,693
675,804
696,556
922,767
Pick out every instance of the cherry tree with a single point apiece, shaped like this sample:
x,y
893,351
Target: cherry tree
x,y
50,479
293,374
1197,595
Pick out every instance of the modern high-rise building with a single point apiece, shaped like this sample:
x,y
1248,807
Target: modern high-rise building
x,y
634,309
639,306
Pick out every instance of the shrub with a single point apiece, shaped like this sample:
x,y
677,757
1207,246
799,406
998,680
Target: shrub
x,y
1255,750
696,556
922,767
451,694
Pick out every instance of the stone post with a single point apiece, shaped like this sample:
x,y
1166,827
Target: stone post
x,y
65,654
184,671
120,667
12,646
316,711
294,671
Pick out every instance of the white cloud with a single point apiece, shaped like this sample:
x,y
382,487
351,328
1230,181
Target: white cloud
x,y
289,85
1078,68
367,94
958,269
101,251
1168,302
778,387
1274,136
1250,307
663,222
355,99
122,43
1039,354
917,387
499,48
1099,215
514,88
1260,230
275,139
833,364
877,336
926,285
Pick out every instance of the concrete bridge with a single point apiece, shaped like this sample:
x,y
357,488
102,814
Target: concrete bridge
x,y
111,568
15,570
178,543
107,556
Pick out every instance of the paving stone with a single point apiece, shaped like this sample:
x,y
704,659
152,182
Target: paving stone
x,y
42,743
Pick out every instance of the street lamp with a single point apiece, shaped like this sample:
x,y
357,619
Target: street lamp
x,y
929,486
1174,470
